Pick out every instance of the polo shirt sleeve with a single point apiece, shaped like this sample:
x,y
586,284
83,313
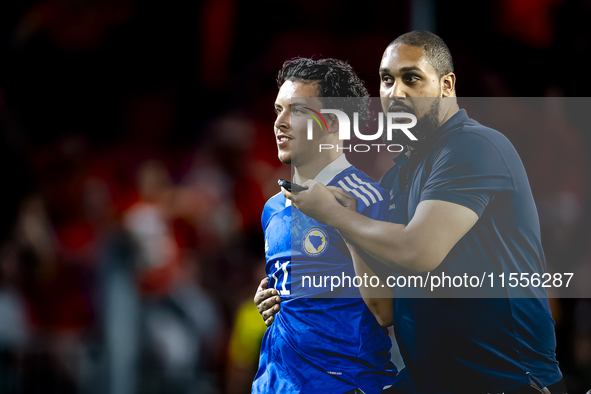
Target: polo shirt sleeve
x,y
470,171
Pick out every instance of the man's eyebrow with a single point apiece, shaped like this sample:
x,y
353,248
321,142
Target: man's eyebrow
x,y
298,104
402,69
412,68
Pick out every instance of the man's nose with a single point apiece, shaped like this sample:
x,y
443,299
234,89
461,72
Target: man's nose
x,y
282,121
397,90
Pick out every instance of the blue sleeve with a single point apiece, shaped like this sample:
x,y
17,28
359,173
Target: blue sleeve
x,y
272,205
378,210
468,171
373,200
265,216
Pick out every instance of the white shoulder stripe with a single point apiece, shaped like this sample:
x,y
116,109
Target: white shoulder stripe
x,y
363,189
368,185
355,192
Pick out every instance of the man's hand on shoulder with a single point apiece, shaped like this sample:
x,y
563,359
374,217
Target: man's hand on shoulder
x,y
344,198
317,202
267,301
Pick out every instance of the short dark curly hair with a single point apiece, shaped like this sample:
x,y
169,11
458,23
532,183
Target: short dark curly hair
x,y
336,79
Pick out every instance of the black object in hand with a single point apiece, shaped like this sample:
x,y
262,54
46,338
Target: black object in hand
x,y
291,187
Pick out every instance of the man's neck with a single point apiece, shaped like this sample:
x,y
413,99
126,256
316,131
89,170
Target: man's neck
x,y
448,111
310,170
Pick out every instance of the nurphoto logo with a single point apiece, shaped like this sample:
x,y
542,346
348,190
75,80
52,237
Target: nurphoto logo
x,y
392,123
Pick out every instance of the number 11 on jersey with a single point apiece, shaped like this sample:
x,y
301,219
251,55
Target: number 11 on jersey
x,y
281,269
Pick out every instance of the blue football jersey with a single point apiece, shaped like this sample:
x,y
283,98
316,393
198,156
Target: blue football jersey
x,y
316,342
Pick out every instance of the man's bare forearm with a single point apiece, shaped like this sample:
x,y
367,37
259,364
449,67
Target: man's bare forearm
x,y
417,247
384,241
379,299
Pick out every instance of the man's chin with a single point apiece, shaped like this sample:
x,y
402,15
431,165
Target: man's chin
x,y
285,159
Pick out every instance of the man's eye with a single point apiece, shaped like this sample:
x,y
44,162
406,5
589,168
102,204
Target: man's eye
x,y
387,79
297,111
411,78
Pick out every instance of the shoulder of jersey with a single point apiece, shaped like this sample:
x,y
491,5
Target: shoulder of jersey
x,y
272,206
361,186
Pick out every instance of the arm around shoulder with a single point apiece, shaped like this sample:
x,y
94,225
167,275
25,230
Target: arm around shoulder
x,y
417,247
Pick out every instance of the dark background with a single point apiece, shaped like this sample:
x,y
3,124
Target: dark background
x,y
137,153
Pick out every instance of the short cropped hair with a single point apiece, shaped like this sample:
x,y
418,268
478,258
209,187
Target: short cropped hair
x,y
335,78
437,53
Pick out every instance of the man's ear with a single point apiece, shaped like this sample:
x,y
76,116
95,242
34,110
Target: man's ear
x,y
448,84
333,123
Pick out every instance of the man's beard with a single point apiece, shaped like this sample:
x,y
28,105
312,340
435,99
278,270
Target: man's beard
x,y
425,127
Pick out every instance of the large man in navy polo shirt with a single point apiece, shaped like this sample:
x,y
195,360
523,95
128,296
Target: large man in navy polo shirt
x,y
461,203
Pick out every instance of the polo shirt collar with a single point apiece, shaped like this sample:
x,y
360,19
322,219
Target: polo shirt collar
x,y
457,118
421,147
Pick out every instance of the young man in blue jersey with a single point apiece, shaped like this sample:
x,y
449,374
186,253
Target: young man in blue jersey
x,y
316,344
461,203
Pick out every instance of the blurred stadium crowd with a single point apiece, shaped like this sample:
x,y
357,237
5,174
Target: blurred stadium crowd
x,y
137,154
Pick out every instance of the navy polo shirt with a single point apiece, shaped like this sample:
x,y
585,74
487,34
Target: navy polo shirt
x,y
467,345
